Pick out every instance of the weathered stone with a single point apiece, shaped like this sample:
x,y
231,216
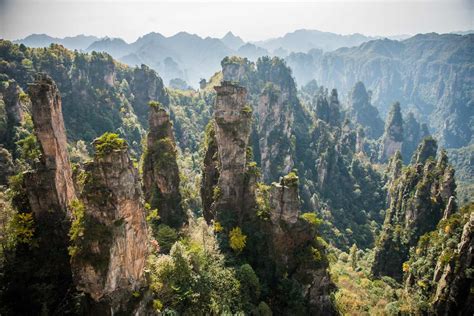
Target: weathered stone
x,y
454,288
110,256
232,130
51,184
160,170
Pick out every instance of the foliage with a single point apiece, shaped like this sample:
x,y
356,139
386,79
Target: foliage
x,y
262,199
358,293
107,143
291,179
166,237
193,278
237,239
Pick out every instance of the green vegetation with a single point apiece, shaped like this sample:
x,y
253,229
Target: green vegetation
x,y
108,143
237,240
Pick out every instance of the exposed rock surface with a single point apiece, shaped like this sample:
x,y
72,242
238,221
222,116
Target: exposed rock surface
x,y
42,275
230,192
275,129
232,130
364,113
147,86
109,256
418,200
393,137
52,182
14,107
6,166
290,236
454,291
160,169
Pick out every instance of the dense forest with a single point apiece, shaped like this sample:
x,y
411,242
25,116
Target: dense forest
x,y
250,195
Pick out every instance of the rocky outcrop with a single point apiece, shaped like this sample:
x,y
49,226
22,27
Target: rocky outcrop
x,y
294,249
232,130
42,273
327,108
413,134
109,232
418,200
6,166
393,136
274,128
51,184
453,294
160,169
147,86
14,105
364,113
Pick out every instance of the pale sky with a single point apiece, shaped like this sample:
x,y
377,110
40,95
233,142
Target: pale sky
x,y
251,20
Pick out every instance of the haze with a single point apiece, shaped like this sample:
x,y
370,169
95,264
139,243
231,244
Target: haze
x,y
131,19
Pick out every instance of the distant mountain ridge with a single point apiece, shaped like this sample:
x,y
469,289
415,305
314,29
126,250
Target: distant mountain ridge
x,y
79,42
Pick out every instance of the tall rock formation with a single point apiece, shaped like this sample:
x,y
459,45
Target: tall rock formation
x,y
109,232
160,169
364,113
52,181
418,200
14,105
274,128
232,129
393,135
413,133
454,294
295,250
280,243
146,86
40,278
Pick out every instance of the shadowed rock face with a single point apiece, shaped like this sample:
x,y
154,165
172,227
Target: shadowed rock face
x,y
453,293
53,179
393,137
418,199
291,236
275,129
110,258
49,189
232,130
160,170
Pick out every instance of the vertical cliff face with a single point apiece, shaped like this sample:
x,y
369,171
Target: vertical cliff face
x,y
453,293
280,244
275,129
54,188
160,169
393,135
364,113
109,233
294,248
147,86
13,107
418,200
232,130
41,278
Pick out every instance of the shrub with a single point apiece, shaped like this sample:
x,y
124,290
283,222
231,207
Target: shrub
x,y
166,237
237,239
108,143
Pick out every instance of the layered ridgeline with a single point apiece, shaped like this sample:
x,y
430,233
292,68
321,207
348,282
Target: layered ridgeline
x,y
429,74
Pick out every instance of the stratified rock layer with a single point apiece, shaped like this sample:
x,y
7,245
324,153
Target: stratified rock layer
x,y
52,185
109,258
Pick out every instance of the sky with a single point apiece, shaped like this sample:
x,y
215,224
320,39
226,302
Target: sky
x,y
252,20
